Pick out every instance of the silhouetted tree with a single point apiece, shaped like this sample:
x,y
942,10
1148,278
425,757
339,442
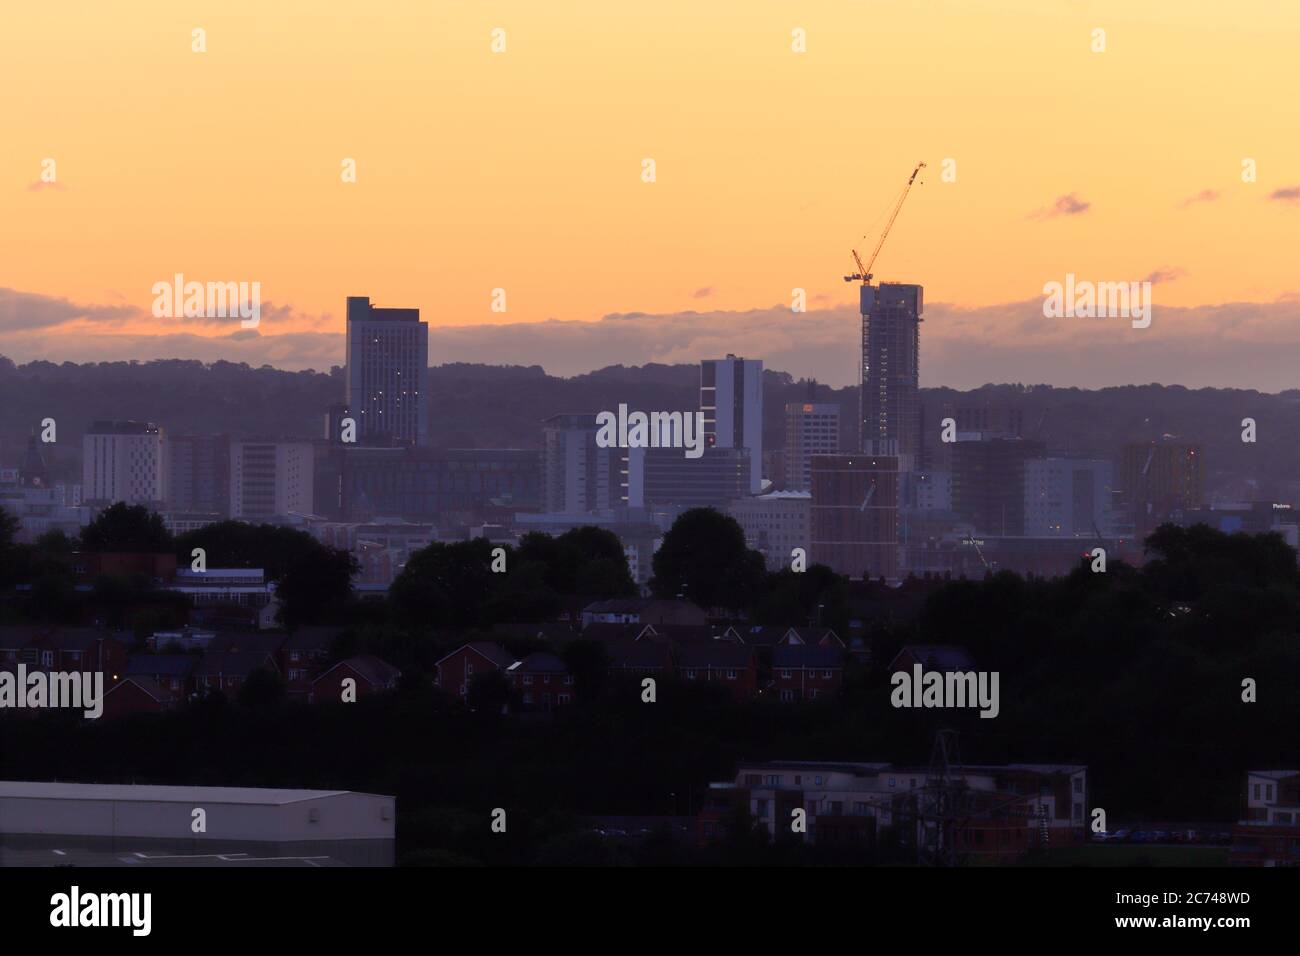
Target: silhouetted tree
x,y
123,528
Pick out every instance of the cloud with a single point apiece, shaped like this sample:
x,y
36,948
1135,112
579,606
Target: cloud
x,y
29,310
1205,195
1287,194
1166,275
702,293
1070,205
1237,344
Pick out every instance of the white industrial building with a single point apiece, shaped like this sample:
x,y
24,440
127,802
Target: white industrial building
x,y
155,822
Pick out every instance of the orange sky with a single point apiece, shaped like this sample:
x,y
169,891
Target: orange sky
x,y
522,169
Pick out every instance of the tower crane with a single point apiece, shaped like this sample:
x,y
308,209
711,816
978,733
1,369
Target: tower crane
x,y
864,271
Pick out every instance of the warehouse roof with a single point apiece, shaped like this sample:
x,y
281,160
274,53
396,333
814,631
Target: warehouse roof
x,y
147,793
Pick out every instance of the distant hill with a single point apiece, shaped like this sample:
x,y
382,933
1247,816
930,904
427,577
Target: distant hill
x,y
502,407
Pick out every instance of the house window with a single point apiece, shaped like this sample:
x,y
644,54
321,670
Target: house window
x,y
47,658
1078,785
826,675
568,678
787,696
785,673
817,781
1256,791
1268,793
528,679
731,675
891,781
690,675
562,698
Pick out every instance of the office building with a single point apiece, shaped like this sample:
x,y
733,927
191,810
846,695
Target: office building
x,y
988,483
810,429
387,374
122,461
854,523
577,475
731,398
1159,478
446,485
775,524
198,474
891,407
1070,497
270,479
659,478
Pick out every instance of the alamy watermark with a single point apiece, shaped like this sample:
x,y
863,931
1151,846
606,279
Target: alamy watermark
x,y
1101,300
651,430
922,688
211,300
78,690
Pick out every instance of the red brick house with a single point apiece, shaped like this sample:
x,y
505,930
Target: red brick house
x,y
542,680
806,672
227,671
303,655
372,676
721,662
138,695
76,649
456,671
644,658
172,672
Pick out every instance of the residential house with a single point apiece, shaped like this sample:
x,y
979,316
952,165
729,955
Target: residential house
x,y
457,670
369,675
806,672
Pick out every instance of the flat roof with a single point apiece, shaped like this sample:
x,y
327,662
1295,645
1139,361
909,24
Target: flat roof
x,y
158,794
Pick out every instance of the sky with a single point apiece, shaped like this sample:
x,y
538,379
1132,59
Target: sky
x,y
781,133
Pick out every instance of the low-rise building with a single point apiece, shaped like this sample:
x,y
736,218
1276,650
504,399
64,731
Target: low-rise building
x,y
1269,833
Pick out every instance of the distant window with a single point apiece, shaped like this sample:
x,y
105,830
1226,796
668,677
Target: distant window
x,y
731,675
528,679
785,673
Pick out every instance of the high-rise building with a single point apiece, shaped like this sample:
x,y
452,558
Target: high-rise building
x,y
775,524
810,429
198,474
578,476
387,374
731,398
270,478
123,461
854,526
988,483
1067,497
891,334
1159,478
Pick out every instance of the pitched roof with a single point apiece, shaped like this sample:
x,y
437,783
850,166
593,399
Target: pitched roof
x,y
234,664
638,654
714,654
370,668
815,635
314,638
539,663
684,633
151,687
610,633
172,665
489,650
943,657
245,642
761,635
807,655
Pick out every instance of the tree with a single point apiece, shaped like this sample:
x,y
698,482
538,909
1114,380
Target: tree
x,y
704,558
123,528
446,585
317,587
